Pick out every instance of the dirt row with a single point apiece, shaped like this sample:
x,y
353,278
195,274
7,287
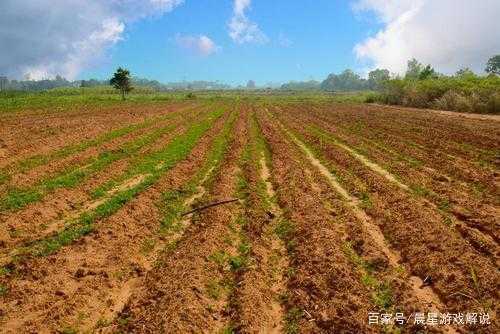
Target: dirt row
x,y
86,284
188,290
78,159
428,148
45,217
460,201
316,238
427,245
26,134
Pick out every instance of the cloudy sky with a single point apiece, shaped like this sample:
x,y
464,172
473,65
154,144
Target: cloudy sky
x,y
237,40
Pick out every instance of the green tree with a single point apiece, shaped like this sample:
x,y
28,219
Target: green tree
x,y
121,81
344,82
427,73
465,73
414,69
377,77
493,65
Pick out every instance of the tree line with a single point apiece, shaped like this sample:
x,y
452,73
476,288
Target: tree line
x,y
348,80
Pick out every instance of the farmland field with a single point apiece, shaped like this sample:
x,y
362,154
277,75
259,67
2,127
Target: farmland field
x,y
334,211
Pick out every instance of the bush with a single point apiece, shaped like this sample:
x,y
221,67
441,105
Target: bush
x,y
464,94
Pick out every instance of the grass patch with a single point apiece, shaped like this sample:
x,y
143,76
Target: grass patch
x,y
3,290
177,150
219,257
214,289
382,295
16,199
172,204
292,319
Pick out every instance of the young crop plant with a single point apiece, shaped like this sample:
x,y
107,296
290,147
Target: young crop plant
x,y
16,199
382,294
173,201
66,151
84,224
165,158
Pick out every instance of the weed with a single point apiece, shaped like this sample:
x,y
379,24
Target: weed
x,y
148,246
123,322
366,202
475,280
237,262
229,329
102,322
447,220
419,190
444,205
3,290
284,229
290,272
4,271
219,257
213,289
292,319
383,296
68,330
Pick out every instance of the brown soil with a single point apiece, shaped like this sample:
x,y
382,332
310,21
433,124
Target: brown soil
x,y
350,209
26,134
89,281
188,292
43,218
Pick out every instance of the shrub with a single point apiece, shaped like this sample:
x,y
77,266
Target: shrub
x,y
463,93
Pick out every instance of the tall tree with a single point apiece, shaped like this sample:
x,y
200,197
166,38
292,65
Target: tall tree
x,y
121,81
344,82
465,73
377,77
493,65
251,84
414,69
427,73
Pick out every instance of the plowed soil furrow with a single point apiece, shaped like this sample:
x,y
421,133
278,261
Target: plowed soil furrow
x,y
249,215
188,289
84,286
325,291
41,219
79,157
462,168
430,129
475,215
396,289
261,283
433,248
476,219
17,198
27,134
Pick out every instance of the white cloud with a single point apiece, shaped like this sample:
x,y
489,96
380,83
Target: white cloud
x,y
42,38
241,29
200,45
448,34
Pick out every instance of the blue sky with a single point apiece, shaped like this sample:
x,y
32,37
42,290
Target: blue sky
x,y
234,41
303,42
